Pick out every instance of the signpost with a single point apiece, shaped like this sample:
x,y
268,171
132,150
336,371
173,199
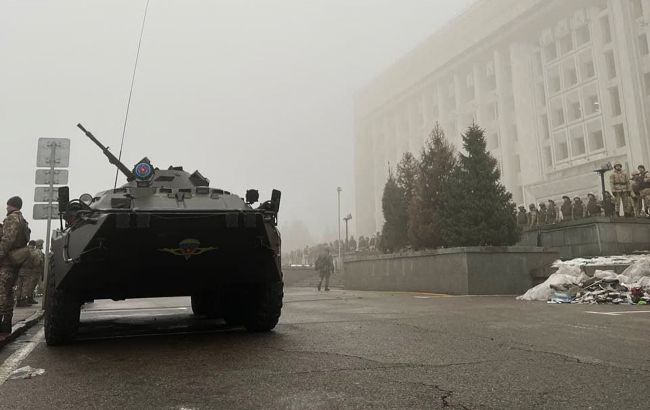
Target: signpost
x,y
53,154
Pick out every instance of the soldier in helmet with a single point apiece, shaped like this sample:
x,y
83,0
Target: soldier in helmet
x,y
593,207
522,217
620,184
551,213
543,214
566,208
15,235
30,273
325,267
578,208
637,184
533,216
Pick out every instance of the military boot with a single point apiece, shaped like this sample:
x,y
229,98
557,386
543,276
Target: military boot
x,y
5,324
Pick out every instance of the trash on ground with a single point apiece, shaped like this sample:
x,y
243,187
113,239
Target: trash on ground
x,y
571,285
26,372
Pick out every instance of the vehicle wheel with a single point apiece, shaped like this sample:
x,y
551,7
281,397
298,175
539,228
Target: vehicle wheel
x,y
62,311
206,304
265,308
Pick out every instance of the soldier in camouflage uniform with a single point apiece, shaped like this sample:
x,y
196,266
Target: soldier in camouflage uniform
x,y
522,217
578,209
29,274
567,209
593,207
543,214
620,183
533,216
551,213
15,235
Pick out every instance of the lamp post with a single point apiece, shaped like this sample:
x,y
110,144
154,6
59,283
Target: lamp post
x,y
601,171
338,191
347,219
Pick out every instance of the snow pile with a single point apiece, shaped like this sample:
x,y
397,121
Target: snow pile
x,y
571,285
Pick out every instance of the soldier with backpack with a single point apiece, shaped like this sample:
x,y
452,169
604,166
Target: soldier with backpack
x,y
13,253
325,266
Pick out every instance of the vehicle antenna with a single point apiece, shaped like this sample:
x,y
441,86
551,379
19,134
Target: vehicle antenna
x,y
128,104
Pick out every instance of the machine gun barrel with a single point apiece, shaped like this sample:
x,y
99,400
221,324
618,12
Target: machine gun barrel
x,y
111,158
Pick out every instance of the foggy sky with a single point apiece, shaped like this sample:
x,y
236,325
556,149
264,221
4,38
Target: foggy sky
x,y
254,94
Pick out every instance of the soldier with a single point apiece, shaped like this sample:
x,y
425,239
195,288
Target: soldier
x,y
543,214
644,193
593,207
620,184
637,179
15,235
30,273
608,204
551,213
578,208
522,217
533,216
353,245
325,266
567,209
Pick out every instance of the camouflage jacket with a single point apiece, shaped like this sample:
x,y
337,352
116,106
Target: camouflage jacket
x,y
551,214
35,262
14,233
619,181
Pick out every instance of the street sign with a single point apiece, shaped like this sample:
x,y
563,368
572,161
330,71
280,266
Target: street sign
x,y
56,177
61,153
45,211
46,194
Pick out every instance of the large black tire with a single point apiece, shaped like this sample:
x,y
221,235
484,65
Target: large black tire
x,y
62,311
265,308
206,304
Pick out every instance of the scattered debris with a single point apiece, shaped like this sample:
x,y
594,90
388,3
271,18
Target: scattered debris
x,y
26,372
571,285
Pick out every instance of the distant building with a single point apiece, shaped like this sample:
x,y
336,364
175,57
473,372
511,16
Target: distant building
x,y
561,88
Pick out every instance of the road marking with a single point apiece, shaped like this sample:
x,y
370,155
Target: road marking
x,y
618,313
19,355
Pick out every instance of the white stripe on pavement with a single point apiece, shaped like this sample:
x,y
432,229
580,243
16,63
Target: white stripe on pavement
x,y
619,312
18,356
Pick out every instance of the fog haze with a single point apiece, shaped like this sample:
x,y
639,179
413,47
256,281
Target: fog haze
x,y
253,94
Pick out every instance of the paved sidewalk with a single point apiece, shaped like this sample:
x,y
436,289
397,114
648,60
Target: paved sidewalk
x,y
24,318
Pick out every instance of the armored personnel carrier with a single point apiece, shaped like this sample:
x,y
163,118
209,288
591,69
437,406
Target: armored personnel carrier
x,y
164,233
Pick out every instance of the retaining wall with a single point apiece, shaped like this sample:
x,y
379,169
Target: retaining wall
x,y
457,271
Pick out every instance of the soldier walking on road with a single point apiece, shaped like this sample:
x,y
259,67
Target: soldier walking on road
x,y
567,209
620,184
325,266
15,235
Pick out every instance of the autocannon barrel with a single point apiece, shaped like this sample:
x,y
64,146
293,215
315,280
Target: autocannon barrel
x,y
111,158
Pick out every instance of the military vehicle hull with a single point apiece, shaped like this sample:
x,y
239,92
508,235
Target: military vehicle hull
x,y
121,255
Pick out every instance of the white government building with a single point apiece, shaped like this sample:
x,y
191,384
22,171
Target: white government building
x,y
560,86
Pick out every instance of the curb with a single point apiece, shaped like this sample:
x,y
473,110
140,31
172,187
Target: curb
x,y
21,327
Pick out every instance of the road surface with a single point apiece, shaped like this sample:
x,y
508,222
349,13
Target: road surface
x,y
342,349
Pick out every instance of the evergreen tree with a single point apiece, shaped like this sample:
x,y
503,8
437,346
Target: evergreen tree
x,y
477,210
393,234
407,171
436,163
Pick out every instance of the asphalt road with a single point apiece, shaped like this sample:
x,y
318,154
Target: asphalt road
x,y
343,349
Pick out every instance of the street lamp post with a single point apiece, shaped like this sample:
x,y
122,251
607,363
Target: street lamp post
x,y
347,219
338,191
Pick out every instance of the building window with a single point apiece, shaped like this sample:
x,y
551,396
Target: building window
x,y
517,163
587,68
561,146
495,111
596,140
566,44
574,108
606,29
583,36
643,45
548,157
543,123
591,103
554,82
570,74
541,95
578,146
539,69
550,51
557,113
619,134
611,65
615,101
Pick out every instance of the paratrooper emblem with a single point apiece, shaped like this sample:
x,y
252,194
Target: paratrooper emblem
x,y
188,248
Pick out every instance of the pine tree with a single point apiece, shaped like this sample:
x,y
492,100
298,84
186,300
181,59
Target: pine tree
x,y
393,233
407,172
436,163
477,210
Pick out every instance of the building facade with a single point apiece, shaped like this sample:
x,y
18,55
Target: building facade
x,y
561,88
